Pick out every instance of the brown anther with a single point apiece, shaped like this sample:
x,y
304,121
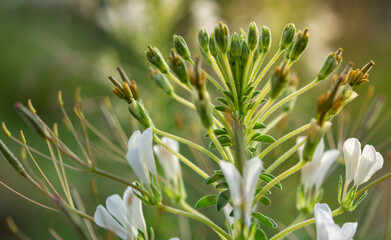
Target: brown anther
x,y
123,75
115,82
127,91
134,89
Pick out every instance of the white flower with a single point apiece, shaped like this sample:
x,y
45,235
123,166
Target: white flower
x,y
360,166
314,172
123,216
242,189
326,229
140,154
169,161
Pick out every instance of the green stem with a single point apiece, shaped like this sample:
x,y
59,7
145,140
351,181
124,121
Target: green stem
x,y
187,142
283,157
217,70
231,81
259,114
364,189
245,79
182,100
301,224
182,158
217,143
289,97
176,80
283,139
280,177
257,65
208,222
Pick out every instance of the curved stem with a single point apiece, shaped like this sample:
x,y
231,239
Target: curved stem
x,y
283,157
217,144
262,94
182,100
176,80
364,189
188,143
208,222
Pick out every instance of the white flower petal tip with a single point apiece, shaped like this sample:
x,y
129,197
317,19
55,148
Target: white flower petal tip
x,y
326,229
360,166
168,160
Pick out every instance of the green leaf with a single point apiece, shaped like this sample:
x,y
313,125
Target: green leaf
x,y
265,138
255,135
222,100
260,189
252,150
229,95
213,178
224,139
260,235
255,94
221,108
206,201
248,90
259,126
265,219
222,185
223,199
268,178
265,201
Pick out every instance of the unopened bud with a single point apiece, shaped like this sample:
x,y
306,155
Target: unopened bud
x,y
203,40
252,37
279,80
265,40
178,66
288,33
332,61
138,112
161,81
204,110
315,134
181,47
222,37
299,45
155,57
212,45
235,47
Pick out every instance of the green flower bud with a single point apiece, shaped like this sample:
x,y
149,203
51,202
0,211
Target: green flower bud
x,y
265,40
245,52
161,81
235,47
181,47
136,108
332,61
204,110
279,80
155,57
252,37
298,46
203,40
315,133
178,66
222,37
288,33
212,45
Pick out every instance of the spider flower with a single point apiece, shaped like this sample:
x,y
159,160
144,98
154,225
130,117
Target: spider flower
x,y
314,172
123,216
326,229
360,166
242,188
140,155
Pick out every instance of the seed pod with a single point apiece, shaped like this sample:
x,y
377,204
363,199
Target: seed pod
x,y
12,159
181,47
252,37
32,120
332,61
203,40
222,37
288,33
155,57
265,40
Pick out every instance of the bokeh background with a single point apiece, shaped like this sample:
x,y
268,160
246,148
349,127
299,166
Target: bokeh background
x,y
51,45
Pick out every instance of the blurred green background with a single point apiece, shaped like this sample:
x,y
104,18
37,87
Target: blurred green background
x,y
51,45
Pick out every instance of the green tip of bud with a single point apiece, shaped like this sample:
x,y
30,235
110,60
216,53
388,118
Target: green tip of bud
x,y
252,37
161,81
203,40
288,33
265,40
235,47
212,45
178,66
222,37
333,60
155,57
181,47
298,46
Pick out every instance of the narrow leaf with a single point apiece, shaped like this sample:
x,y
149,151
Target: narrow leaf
x,y
206,201
265,219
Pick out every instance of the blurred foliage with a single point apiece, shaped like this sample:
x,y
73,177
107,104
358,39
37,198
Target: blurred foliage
x,y
51,45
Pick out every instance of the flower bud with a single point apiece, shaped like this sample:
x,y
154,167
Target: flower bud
x,y
299,45
178,66
204,110
161,81
332,61
252,37
222,37
279,80
265,40
288,33
292,87
203,40
235,47
181,47
212,45
155,57
136,108
315,133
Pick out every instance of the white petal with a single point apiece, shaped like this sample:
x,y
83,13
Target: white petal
x,y
375,167
135,161
134,211
103,219
174,238
168,160
133,139
227,211
145,145
301,148
352,156
173,144
318,151
117,208
234,181
368,159
349,229
328,158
